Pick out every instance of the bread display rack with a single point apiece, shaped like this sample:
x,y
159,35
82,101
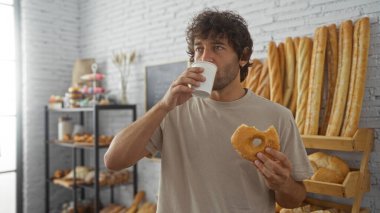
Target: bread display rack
x,y
357,181
95,110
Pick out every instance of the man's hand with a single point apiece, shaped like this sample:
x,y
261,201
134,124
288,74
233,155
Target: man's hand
x,y
181,89
277,171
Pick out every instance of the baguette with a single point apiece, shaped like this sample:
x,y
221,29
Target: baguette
x,y
332,72
263,88
245,82
254,75
251,70
282,60
343,78
303,67
274,73
290,69
137,200
292,105
358,77
316,79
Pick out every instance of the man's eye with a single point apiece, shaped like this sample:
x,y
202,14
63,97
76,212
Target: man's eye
x,y
198,49
218,48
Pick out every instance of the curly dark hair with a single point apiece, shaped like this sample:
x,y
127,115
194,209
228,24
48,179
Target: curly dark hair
x,y
212,23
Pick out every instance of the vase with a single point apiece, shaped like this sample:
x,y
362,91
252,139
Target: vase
x,y
123,94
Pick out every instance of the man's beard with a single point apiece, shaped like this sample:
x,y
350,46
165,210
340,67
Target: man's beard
x,y
221,83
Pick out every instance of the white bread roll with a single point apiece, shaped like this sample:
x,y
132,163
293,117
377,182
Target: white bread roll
x,y
328,168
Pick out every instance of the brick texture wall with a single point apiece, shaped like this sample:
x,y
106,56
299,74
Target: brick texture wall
x,y
50,36
56,32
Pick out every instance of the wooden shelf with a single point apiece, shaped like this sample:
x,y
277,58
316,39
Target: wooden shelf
x,y
356,183
81,145
347,189
329,204
356,143
81,184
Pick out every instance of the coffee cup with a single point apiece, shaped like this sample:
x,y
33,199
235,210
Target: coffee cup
x,y
209,71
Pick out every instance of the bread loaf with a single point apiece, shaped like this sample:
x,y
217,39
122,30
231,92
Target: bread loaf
x,y
282,58
254,75
316,79
303,67
275,78
249,76
358,77
135,204
343,78
332,72
328,168
292,105
289,71
263,88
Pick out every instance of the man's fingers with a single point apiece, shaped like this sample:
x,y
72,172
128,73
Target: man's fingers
x,y
263,170
274,166
182,89
281,157
185,81
191,76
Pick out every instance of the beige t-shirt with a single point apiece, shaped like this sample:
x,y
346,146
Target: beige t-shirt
x,y
201,172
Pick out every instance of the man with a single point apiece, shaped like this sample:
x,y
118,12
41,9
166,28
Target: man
x,y
201,172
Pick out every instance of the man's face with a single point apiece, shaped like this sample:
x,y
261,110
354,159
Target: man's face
x,y
219,52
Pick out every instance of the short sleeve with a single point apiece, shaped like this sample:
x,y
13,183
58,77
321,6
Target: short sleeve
x,y
294,149
155,142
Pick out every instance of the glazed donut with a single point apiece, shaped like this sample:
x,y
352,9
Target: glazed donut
x,y
243,137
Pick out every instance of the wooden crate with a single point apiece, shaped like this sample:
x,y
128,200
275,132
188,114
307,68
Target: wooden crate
x,y
347,189
357,182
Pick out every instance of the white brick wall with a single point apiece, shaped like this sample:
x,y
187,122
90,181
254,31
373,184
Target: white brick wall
x,y
155,29
50,36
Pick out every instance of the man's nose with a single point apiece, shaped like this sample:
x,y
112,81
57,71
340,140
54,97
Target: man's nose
x,y
207,55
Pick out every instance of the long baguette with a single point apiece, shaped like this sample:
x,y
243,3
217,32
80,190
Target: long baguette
x,y
281,56
316,79
303,67
263,88
292,105
290,69
275,79
343,79
254,75
332,72
358,77
251,70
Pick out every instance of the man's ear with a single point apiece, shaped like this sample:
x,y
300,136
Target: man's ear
x,y
245,56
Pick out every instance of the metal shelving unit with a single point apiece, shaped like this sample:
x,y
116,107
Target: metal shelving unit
x,y
48,142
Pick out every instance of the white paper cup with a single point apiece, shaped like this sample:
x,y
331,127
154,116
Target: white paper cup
x,y
209,71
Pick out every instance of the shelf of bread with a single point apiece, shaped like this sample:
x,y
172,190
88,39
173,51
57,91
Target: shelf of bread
x,y
85,177
74,144
357,143
333,205
82,184
347,189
